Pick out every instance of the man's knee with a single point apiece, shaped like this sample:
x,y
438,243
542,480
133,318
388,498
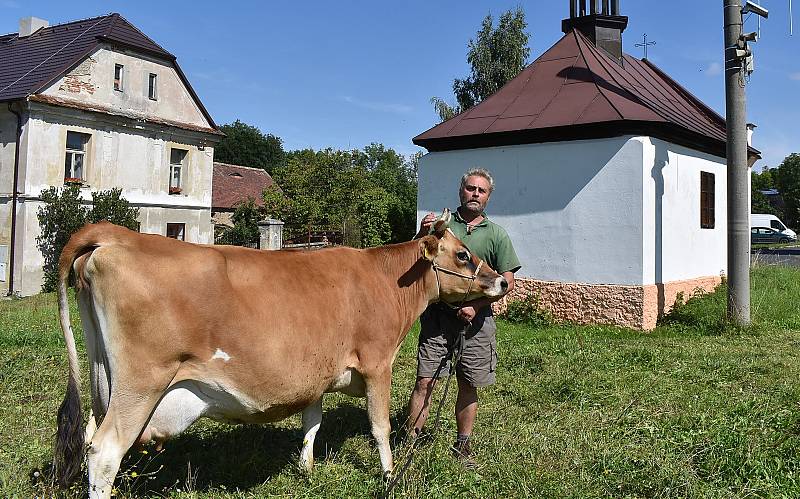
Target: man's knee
x,y
424,385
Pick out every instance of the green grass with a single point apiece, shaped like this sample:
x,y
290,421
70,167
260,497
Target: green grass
x,y
696,408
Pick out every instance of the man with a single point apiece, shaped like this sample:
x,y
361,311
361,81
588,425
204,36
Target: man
x,y
440,326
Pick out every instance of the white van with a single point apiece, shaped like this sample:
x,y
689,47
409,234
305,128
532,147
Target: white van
x,y
766,220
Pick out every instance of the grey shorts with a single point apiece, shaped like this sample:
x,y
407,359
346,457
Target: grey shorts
x,y
439,329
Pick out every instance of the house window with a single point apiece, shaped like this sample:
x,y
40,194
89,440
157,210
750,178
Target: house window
x,y
176,158
119,71
152,91
706,200
176,231
75,162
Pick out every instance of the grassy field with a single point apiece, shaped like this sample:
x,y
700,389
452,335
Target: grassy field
x,y
693,409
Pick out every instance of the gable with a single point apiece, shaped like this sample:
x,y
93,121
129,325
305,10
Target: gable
x,y
90,85
60,57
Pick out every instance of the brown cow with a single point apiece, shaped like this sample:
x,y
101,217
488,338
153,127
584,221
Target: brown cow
x,y
176,331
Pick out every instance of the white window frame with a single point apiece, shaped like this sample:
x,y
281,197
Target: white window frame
x,y
176,184
70,157
152,86
119,83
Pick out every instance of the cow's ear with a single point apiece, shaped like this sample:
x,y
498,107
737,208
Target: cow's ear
x,y
429,247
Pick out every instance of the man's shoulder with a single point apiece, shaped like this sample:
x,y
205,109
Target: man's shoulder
x,y
496,228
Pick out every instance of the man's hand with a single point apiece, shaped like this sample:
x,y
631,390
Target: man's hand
x,y
426,224
466,314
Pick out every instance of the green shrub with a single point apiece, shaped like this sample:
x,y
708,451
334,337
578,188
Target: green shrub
x,y
64,213
244,231
528,311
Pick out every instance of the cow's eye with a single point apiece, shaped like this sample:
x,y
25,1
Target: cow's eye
x,y
463,256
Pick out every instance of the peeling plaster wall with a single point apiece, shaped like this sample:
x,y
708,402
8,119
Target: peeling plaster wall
x,y
134,158
8,140
92,82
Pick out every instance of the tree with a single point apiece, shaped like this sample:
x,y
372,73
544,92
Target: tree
x,y
496,56
246,145
368,196
758,201
398,178
787,178
61,216
112,207
244,232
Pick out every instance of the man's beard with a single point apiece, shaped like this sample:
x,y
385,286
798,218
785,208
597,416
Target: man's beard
x,y
472,206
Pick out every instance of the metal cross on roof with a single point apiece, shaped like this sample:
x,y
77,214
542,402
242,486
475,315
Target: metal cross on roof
x,y
645,44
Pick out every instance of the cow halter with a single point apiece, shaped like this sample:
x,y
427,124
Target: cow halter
x,y
437,269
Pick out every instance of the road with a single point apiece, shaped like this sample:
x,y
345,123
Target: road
x,y
788,256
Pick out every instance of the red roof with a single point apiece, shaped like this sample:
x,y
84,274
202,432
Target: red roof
x,y
232,184
574,91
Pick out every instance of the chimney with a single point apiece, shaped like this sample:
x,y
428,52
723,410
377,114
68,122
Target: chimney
x,y
751,127
30,25
600,22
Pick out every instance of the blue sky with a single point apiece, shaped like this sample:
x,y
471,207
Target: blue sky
x,y
347,73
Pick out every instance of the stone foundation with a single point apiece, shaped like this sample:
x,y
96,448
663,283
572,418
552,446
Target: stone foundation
x,y
637,307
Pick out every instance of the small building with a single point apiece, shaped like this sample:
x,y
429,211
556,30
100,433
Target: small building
x,y
97,103
610,176
234,184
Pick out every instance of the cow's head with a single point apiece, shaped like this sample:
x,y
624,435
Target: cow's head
x,y
461,276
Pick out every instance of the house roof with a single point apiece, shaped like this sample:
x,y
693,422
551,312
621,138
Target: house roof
x,y
576,91
233,184
29,64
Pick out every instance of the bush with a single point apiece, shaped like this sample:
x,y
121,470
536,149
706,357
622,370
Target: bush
x,y
528,311
111,206
63,214
245,225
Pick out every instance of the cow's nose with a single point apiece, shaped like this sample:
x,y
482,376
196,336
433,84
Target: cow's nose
x,y
504,284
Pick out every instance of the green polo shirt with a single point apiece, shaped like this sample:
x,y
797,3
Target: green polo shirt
x,y
489,242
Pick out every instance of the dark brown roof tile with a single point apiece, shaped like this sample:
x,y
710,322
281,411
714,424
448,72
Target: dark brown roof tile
x,y
29,64
575,90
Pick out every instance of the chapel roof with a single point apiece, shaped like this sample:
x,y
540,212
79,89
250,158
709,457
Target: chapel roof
x,y
576,90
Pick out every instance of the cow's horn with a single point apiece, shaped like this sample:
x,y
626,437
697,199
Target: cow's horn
x,y
446,216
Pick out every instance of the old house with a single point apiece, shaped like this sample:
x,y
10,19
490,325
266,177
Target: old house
x,y
234,184
611,177
97,103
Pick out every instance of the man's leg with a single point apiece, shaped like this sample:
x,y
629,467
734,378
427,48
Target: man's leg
x,y
466,407
419,405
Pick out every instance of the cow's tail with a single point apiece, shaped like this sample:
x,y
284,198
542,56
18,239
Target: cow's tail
x,y
69,445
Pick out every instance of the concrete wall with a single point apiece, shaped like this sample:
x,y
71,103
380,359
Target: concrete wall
x,y
120,153
675,246
607,230
92,82
573,210
8,140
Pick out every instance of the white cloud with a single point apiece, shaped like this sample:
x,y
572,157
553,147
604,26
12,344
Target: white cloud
x,y
713,69
794,76
378,106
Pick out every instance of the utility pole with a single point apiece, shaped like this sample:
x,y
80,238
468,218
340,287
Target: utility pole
x,y
738,63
